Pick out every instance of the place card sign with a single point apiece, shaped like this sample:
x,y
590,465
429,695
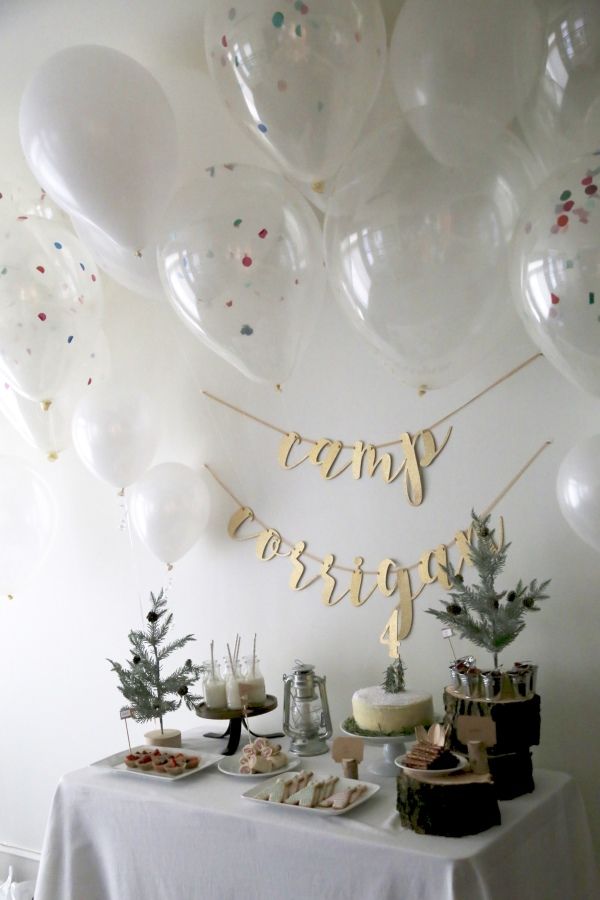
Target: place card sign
x,y
476,728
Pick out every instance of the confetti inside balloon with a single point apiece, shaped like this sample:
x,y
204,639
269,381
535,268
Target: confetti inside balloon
x,y
42,304
205,265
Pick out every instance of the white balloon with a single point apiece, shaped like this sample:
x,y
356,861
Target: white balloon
x,y
417,252
115,433
555,270
99,134
49,430
299,77
27,523
169,508
50,306
241,262
463,69
561,119
138,272
578,490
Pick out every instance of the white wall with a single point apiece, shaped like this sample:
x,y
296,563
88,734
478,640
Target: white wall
x,y
59,700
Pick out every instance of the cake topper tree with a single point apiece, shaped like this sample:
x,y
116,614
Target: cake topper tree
x,y
141,679
488,618
393,682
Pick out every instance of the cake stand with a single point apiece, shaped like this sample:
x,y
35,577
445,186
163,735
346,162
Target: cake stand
x,y
393,746
237,718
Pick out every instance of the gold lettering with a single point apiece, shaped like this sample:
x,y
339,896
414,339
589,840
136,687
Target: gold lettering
x,y
383,573
430,450
334,448
268,544
240,517
367,454
298,568
440,555
285,448
356,581
330,582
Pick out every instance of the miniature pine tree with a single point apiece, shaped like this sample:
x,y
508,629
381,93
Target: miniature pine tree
x,y
479,612
393,682
142,681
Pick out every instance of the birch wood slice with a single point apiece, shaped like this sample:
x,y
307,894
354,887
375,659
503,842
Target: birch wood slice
x,y
517,721
447,805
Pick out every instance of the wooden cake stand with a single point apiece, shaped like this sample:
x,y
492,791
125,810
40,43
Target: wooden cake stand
x,y
237,718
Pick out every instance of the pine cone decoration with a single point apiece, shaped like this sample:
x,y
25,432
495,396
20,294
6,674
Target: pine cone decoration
x,y
454,609
152,616
182,691
528,602
511,596
136,659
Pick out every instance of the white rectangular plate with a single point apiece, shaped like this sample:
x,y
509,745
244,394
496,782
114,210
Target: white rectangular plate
x,y
115,763
342,784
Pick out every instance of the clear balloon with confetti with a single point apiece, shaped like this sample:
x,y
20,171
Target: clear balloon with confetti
x,y
555,270
300,77
242,264
417,251
50,306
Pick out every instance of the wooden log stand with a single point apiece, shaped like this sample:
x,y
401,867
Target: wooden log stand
x,y
447,805
517,724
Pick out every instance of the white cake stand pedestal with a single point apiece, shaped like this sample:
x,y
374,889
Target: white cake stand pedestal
x,y
392,748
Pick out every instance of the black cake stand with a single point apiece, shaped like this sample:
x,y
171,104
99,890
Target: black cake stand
x,y
237,718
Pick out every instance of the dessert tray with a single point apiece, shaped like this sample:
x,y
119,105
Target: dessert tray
x,y
341,785
461,763
230,765
116,762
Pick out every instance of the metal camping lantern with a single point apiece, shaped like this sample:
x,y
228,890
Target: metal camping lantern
x,y
306,718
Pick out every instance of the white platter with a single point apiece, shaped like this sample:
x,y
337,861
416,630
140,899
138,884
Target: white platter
x,y
230,765
115,763
342,784
462,762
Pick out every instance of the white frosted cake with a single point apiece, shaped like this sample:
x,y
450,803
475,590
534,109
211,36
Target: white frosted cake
x,y
374,709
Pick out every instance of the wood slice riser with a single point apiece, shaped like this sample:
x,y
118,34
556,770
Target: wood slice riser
x,y
446,809
517,723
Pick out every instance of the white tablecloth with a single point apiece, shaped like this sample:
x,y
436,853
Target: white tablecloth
x,y
123,837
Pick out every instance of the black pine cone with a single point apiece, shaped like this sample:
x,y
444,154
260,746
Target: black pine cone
x,y
459,578
152,616
511,596
182,691
484,532
136,659
495,604
454,609
528,602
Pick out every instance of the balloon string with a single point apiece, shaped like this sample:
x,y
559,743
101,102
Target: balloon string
x,y
410,568
125,525
266,424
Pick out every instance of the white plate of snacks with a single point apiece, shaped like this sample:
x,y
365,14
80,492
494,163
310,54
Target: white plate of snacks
x,y
333,796
230,765
162,763
461,763
260,758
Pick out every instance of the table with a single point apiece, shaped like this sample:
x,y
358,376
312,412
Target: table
x,y
123,837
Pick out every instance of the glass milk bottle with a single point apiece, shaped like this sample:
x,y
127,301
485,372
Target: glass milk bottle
x,y
215,695
254,683
232,687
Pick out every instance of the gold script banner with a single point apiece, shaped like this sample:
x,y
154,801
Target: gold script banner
x,y
418,450
389,579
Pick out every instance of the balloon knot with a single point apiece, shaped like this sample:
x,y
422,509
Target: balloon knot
x,y
45,404
278,388
318,187
169,567
52,456
121,493
422,390
10,597
139,254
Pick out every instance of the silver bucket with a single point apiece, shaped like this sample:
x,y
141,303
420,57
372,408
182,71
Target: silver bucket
x,y
520,680
533,669
492,685
470,684
454,677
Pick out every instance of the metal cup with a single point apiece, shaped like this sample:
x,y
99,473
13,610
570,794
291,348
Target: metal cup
x,y
520,680
454,677
470,684
492,685
527,664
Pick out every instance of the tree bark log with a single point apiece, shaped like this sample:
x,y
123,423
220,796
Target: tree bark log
x,y
449,806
